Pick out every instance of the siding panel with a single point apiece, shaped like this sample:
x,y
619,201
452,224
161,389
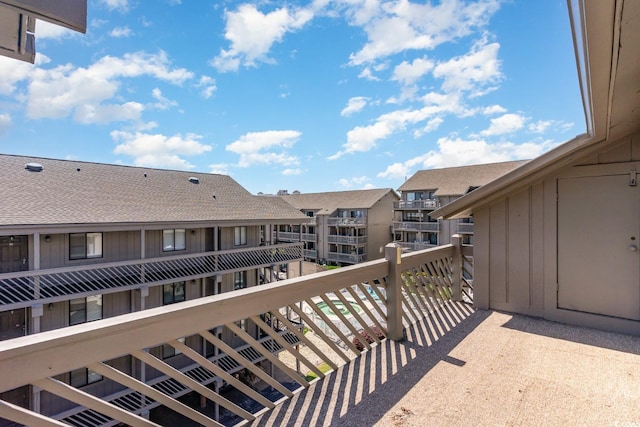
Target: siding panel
x,y
498,250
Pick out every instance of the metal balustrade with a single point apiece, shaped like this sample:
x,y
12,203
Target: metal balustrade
x,y
22,289
416,226
330,318
417,204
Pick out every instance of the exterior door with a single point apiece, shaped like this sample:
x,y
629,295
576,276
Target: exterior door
x,y
14,253
598,246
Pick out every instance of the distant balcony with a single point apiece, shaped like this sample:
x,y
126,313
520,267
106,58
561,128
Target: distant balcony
x,y
346,258
346,222
465,228
310,253
416,204
295,237
433,227
26,288
347,240
415,246
345,312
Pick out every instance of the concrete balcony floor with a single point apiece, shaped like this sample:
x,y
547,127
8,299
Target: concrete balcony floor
x,y
479,368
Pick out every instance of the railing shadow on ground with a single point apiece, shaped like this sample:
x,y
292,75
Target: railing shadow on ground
x,y
363,391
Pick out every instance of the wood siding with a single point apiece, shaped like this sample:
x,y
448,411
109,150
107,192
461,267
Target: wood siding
x,y
515,244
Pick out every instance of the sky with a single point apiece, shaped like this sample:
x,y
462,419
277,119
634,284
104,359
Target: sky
x,y
310,96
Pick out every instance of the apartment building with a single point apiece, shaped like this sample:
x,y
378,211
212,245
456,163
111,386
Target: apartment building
x,y
427,190
85,241
347,227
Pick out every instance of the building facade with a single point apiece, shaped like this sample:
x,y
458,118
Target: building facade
x,y
84,241
347,227
414,227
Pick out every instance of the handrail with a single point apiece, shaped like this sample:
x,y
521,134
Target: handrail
x,y
25,288
350,309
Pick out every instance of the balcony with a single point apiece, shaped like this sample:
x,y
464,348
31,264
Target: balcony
x,y
415,246
391,341
346,258
465,228
27,288
347,240
417,204
346,222
432,227
310,253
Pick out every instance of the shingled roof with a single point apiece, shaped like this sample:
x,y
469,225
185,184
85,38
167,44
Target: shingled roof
x,y
328,202
72,192
457,180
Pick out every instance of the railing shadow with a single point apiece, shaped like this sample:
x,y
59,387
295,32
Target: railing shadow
x,y
363,391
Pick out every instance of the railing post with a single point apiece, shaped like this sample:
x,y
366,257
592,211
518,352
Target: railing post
x,y
456,267
393,254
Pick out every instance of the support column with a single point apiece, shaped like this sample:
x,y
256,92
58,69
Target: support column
x,y
456,267
393,254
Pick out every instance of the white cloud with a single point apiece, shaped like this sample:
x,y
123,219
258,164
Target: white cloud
x,y
268,147
208,86
408,73
361,182
85,93
459,152
219,168
253,33
493,109
120,32
365,138
394,27
432,125
354,105
120,5
157,150
163,103
12,72
46,30
5,123
472,71
368,75
290,172
507,123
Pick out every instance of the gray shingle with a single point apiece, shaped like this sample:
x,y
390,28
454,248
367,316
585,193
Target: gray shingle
x,y
457,180
71,192
329,202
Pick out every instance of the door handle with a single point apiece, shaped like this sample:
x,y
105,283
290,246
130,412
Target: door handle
x,y
633,248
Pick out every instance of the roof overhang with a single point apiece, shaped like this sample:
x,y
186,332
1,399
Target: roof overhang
x,y
608,60
18,22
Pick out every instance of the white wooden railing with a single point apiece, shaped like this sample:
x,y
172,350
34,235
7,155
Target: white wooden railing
x,y
347,310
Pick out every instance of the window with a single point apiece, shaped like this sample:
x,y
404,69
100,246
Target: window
x,y
418,195
172,293
83,376
85,245
83,310
174,240
239,280
240,236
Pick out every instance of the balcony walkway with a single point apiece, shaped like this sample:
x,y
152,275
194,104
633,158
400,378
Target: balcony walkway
x,y
489,369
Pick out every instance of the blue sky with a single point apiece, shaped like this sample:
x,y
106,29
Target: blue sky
x,y
309,96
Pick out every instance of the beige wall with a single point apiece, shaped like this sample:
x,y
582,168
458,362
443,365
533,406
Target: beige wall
x,y
379,221
515,245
